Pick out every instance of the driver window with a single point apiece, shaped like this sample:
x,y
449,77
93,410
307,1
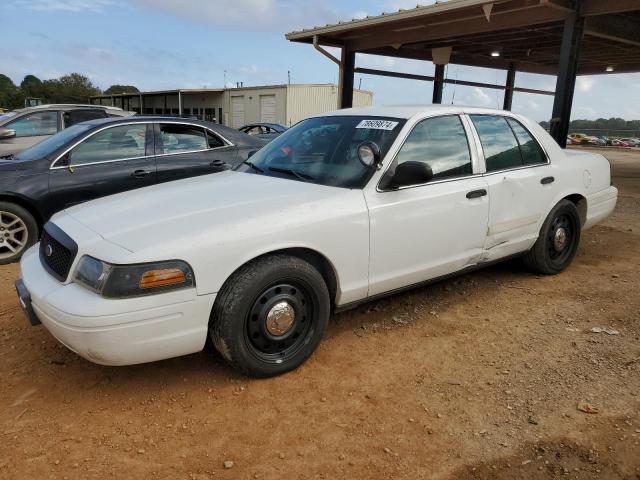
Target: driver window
x,y
441,143
115,143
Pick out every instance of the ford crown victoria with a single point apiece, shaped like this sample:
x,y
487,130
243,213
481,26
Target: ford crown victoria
x,y
338,210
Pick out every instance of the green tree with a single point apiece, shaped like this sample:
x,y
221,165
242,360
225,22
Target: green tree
x,y
116,89
32,86
72,88
10,95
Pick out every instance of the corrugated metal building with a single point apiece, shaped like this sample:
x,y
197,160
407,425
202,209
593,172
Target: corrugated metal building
x,y
235,107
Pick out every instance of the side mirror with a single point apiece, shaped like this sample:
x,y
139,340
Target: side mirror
x,y
369,154
6,133
409,173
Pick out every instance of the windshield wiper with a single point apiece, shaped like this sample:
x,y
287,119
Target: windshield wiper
x,y
257,169
294,173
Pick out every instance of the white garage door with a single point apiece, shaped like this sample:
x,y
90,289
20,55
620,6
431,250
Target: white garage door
x,y
237,112
268,108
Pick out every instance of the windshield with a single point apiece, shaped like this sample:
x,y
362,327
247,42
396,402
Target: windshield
x,y
54,142
324,150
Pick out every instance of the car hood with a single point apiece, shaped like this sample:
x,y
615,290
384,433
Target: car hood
x,y
223,205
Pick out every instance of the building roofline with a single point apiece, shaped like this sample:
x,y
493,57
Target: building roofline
x,y
306,35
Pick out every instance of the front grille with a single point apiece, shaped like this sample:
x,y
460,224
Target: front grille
x,y
57,251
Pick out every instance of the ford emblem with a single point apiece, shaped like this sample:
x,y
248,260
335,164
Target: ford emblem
x,y
48,251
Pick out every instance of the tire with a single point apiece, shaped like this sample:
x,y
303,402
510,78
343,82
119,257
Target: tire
x,y
554,250
18,231
270,315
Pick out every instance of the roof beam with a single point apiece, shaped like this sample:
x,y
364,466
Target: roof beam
x,y
615,28
602,7
499,21
466,83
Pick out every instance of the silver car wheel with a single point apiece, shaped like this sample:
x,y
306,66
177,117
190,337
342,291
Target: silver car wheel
x,y
14,234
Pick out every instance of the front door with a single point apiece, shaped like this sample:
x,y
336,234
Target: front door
x,y
521,184
113,160
426,231
186,150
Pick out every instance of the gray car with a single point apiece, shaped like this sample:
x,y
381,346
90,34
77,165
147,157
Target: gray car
x,y
22,128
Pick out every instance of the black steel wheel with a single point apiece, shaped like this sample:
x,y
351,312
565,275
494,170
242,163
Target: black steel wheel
x,y
558,241
270,315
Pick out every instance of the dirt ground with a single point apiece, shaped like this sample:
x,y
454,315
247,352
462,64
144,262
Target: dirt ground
x,y
478,377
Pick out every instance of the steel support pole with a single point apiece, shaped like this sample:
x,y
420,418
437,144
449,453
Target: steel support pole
x,y
347,75
438,84
510,85
566,82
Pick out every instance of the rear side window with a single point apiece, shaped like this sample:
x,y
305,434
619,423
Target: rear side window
x,y
35,124
182,138
532,153
115,143
79,116
501,149
441,143
213,140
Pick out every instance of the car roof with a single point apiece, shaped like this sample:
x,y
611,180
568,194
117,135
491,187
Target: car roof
x,y
230,134
66,106
410,111
266,124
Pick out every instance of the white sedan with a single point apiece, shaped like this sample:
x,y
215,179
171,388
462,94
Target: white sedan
x,y
340,209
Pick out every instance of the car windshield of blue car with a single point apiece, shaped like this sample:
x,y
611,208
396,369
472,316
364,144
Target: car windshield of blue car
x,y
324,150
51,144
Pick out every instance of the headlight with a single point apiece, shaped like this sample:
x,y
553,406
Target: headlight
x,y
121,281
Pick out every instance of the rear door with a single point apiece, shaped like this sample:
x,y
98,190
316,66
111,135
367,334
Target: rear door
x,y
30,129
520,180
188,150
111,160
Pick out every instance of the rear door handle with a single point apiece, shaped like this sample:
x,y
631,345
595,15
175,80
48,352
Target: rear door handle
x,y
476,193
140,173
547,180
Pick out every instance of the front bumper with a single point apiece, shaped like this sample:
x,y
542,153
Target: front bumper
x,y
115,332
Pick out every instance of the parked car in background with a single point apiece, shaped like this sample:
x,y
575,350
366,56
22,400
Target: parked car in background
x,y
105,156
572,141
581,138
632,142
597,141
340,209
266,131
22,128
616,142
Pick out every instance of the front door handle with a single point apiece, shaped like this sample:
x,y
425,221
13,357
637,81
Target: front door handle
x,y
547,180
217,163
476,193
140,173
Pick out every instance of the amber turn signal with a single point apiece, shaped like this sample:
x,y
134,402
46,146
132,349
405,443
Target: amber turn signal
x,y
162,278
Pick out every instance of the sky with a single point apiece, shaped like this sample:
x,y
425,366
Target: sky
x,y
165,44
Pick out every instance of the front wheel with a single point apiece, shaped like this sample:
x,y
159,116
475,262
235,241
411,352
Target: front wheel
x,y
18,231
558,241
270,315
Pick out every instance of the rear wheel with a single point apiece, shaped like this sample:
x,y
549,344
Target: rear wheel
x,y
270,315
558,241
18,231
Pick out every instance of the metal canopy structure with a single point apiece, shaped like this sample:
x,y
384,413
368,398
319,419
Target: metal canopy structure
x,y
558,37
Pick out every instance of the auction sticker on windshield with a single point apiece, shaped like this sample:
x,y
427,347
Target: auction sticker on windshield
x,y
377,124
